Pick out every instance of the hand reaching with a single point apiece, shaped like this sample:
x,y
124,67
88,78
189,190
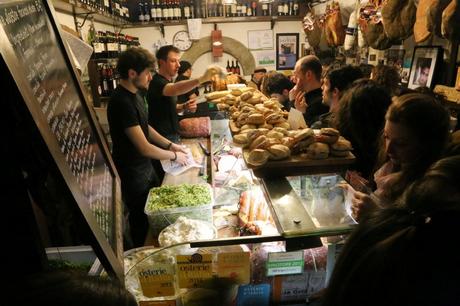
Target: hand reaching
x,y
299,103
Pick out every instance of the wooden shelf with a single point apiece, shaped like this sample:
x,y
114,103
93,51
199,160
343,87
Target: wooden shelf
x,y
214,20
73,6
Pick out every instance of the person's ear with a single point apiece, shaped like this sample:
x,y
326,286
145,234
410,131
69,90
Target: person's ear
x,y
132,73
335,92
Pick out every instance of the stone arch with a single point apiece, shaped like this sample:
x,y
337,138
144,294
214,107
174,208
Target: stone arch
x,y
231,46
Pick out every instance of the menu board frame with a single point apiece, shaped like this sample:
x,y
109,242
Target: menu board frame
x,y
108,250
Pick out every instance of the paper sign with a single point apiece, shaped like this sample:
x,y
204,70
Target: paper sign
x,y
156,282
235,266
285,263
193,269
194,28
296,119
254,295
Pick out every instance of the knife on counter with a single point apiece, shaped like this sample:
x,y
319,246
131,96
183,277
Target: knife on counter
x,y
205,150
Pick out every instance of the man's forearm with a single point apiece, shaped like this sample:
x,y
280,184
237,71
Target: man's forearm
x,y
180,88
158,139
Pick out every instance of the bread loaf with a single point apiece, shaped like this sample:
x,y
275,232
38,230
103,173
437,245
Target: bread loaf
x,y
257,157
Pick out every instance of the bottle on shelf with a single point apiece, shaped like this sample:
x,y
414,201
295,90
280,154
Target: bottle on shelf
x,y
280,8
265,9
237,68
254,8
165,11
232,67
233,10
98,46
177,10
170,10
285,8
220,8
146,12
186,10
204,13
295,9
192,9
141,12
248,9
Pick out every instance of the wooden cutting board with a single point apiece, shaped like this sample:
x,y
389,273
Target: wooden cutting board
x,y
295,165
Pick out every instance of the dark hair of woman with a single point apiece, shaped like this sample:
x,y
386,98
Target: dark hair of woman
x,y
361,119
405,255
388,77
428,124
68,289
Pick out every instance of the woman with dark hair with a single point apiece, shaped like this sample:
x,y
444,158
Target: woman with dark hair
x,y
388,77
415,135
360,119
67,289
405,255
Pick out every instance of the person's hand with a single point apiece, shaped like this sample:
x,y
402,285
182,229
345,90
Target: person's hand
x,y
181,158
299,103
209,73
361,204
178,148
190,105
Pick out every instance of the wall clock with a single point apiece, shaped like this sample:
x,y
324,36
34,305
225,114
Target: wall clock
x,y
182,41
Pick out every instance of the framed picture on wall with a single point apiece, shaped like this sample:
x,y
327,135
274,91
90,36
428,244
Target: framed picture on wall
x,y
287,50
425,62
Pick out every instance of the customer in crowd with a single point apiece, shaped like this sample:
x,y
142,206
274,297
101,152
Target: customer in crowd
x,y
256,78
398,253
163,92
307,91
335,83
366,70
360,119
388,77
135,142
184,73
67,289
415,135
278,86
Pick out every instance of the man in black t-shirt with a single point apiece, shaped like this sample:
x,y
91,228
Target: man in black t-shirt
x,y
162,94
135,142
308,95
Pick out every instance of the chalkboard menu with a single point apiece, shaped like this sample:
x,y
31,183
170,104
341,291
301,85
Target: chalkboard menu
x,y
32,47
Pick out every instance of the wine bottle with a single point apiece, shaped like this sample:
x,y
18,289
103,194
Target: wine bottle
x,y
165,10
170,10
254,8
280,8
192,9
141,12
153,11
264,9
237,68
228,66
295,10
146,12
177,10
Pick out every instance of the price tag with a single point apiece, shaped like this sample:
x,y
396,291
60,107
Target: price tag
x,y
156,282
250,295
235,266
285,263
193,269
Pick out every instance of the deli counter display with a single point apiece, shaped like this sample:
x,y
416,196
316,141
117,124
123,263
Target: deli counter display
x,y
271,240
